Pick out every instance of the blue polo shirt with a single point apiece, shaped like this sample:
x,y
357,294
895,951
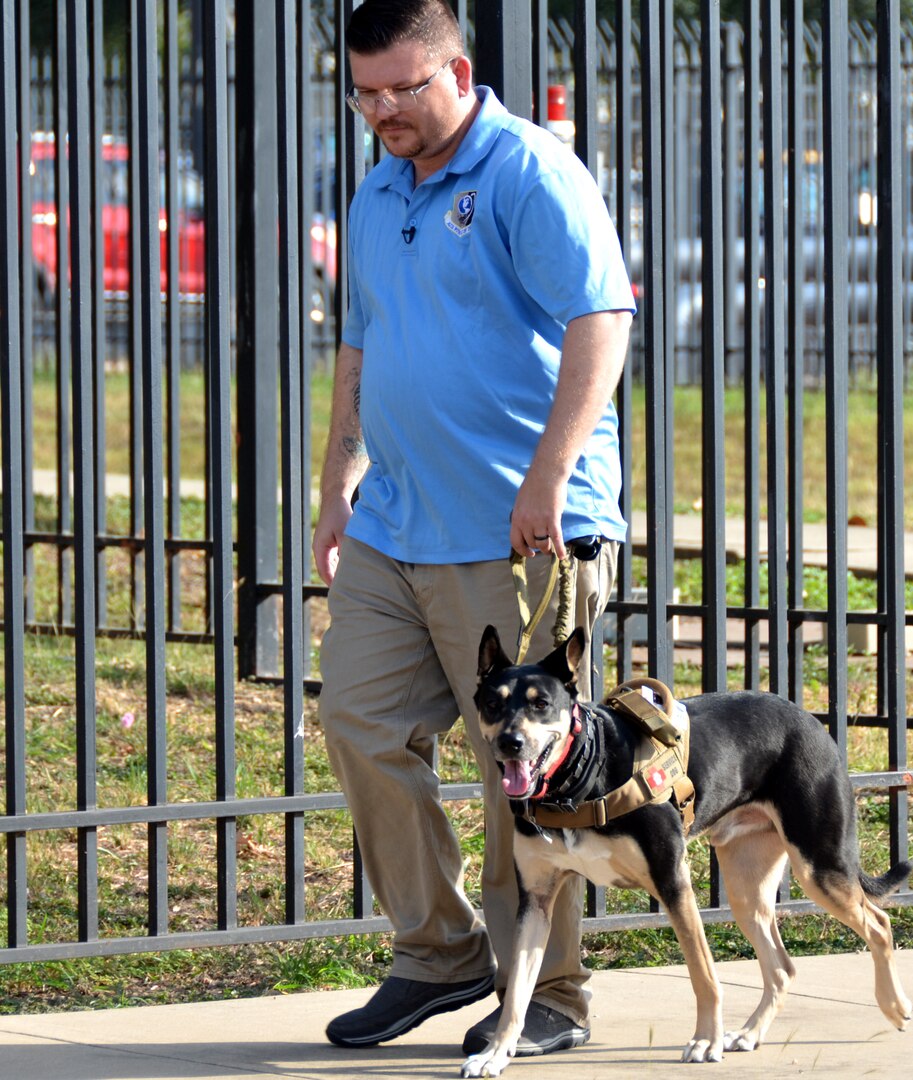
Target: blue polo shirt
x,y
460,293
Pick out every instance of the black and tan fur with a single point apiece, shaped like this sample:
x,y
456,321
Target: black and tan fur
x,y
769,786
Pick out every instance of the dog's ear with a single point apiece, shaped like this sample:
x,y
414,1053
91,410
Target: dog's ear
x,y
564,662
491,656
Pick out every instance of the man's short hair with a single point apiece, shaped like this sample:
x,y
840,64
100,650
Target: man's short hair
x,y
377,25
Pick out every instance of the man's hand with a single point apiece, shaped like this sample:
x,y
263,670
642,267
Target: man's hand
x,y
535,523
328,535
592,358
344,464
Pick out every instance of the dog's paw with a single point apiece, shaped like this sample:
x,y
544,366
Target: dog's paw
x,y
745,1039
890,995
701,1050
488,1063
896,1008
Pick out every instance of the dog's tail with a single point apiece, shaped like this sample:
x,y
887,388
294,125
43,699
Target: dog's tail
x,y
880,887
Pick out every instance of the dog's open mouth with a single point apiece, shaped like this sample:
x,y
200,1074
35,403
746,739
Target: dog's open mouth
x,y
521,777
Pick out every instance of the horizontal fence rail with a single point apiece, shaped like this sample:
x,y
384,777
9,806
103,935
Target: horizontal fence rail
x,y
594,920
152,314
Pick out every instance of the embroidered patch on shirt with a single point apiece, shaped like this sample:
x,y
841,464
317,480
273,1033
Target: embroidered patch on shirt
x,y
459,219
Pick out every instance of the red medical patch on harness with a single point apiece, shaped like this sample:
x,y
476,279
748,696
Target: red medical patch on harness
x,y
656,778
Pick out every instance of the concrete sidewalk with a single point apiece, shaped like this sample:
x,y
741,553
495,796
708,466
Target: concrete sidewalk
x,y
641,1019
687,535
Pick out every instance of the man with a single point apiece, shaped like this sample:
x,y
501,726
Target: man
x,y
488,324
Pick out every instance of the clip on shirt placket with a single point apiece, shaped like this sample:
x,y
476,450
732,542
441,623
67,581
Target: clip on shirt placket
x,y
409,231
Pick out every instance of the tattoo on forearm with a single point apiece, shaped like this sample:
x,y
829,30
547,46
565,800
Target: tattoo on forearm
x,y
352,444
354,447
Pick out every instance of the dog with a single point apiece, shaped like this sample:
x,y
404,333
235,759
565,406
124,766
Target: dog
x,y
768,785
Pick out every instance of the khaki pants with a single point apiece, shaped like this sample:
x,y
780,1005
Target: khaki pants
x,y
399,665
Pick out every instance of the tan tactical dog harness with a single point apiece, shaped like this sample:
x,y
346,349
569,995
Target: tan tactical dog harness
x,y
661,762
660,766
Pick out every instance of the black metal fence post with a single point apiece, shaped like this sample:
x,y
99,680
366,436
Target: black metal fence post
x,y
220,440
146,238
751,337
135,319
835,33
350,159
624,577
669,122
62,302
173,209
97,256
657,351
713,490
892,658
307,173
775,368
503,53
796,339
84,458
290,369
26,286
585,144
257,361
539,14
13,533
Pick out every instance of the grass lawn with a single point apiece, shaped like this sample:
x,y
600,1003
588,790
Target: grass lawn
x,y
862,460
862,455
190,681
343,961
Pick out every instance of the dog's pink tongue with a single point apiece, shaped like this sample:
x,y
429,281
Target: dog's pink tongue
x,y
516,778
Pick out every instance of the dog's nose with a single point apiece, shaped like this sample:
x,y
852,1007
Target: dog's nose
x,y
509,742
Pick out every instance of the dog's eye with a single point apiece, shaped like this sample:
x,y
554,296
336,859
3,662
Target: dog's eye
x,y
540,704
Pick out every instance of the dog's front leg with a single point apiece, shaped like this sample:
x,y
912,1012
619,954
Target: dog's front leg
x,y
534,919
707,1042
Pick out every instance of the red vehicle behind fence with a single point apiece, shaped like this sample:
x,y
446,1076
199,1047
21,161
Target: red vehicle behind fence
x,y
115,218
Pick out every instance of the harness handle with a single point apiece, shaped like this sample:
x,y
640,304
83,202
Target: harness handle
x,y
659,688
655,719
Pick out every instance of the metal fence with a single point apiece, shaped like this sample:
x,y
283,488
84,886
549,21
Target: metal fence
x,y
683,289
218,140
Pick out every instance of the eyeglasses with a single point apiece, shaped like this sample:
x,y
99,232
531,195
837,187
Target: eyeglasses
x,y
394,100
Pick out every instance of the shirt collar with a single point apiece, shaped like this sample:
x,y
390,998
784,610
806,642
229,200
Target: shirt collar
x,y
478,141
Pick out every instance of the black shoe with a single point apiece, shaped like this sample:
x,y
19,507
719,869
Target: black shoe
x,y
544,1032
400,1005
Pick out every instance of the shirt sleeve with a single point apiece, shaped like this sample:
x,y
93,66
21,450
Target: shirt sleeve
x,y
353,332
564,246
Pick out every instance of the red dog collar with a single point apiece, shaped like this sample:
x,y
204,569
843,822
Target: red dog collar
x,y
576,728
